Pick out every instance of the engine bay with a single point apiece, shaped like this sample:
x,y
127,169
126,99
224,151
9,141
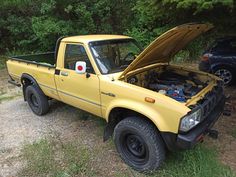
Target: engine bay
x,y
179,86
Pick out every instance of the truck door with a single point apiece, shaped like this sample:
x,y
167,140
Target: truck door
x,y
79,90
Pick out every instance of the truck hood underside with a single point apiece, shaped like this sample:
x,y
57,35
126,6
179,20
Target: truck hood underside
x,y
167,45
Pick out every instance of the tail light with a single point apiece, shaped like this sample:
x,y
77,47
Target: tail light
x,y
206,57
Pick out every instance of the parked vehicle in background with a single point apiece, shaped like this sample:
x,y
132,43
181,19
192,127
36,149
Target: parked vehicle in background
x,y
149,104
220,59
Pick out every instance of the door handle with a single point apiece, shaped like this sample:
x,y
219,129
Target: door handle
x,y
64,73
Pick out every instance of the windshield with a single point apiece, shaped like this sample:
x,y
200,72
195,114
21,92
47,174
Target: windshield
x,y
114,55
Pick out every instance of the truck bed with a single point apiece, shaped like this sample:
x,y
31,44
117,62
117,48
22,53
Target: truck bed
x,y
46,59
41,67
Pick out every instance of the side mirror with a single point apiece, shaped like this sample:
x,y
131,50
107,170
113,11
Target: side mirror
x,y
80,67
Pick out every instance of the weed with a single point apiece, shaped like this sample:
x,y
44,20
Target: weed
x,y
40,159
3,60
233,133
199,162
7,98
51,158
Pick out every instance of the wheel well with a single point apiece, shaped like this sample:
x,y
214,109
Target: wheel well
x,y
116,115
25,83
221,66
27,80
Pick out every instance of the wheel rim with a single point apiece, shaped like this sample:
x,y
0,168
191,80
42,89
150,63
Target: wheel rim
x,y
225,75
34,100
134,148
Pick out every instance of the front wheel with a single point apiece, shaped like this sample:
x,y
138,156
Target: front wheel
x,y
139,144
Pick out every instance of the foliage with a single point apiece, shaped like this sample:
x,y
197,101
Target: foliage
x,y
233,132
33,26
2,62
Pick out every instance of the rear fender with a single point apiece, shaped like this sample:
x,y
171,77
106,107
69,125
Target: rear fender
x,y
27,80
215,66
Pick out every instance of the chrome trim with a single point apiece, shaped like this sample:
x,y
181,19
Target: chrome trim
x,y
47,86
79,98
64,73
108,94
88,101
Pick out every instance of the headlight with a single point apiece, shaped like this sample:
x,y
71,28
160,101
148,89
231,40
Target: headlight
x,y
190,121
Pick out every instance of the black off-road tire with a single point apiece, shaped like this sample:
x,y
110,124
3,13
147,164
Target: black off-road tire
x,y
36,99
139,144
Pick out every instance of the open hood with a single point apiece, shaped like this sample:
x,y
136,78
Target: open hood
x,y
167,45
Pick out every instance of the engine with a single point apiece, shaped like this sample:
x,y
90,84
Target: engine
x,y
176,86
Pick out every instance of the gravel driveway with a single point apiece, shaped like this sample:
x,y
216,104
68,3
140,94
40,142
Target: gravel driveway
x,y
19,126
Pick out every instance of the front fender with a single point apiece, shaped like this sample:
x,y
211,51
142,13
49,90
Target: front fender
x,y
169,123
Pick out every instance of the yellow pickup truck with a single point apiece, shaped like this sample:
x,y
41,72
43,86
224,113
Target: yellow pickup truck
x,y
149,104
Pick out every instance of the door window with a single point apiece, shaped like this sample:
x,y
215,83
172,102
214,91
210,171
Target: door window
x,y
74,53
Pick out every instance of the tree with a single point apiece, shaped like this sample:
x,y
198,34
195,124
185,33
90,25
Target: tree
x,y
34,25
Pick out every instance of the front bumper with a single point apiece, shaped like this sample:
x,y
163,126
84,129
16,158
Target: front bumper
x,y
188,140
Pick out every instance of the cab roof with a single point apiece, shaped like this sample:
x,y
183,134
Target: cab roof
x,y
95,37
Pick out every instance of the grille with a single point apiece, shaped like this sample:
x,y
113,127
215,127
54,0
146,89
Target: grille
x,y
210,100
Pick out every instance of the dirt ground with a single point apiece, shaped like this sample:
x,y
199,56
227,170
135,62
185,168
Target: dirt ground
x,y
226,142
18,126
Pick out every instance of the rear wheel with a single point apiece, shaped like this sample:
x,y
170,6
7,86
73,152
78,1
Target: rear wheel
x,y
36,99
226,74
139,144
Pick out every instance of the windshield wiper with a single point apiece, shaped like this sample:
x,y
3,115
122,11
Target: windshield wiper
x,y
122,67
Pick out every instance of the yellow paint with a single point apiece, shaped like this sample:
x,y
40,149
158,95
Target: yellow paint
x,y
92,94
85,39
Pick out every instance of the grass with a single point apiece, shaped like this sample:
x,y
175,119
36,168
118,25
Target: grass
x,y
199,162
52,158
6,98
3,60
233,133
85,116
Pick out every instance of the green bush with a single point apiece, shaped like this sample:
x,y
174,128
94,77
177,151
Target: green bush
x,y
2,62
32,26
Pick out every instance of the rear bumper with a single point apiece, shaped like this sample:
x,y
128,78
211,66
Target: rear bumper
x,y
188,140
